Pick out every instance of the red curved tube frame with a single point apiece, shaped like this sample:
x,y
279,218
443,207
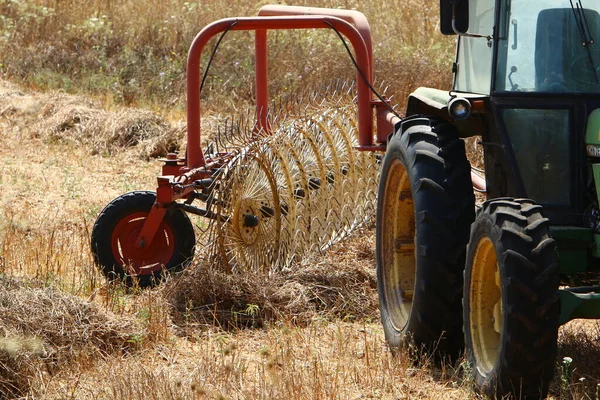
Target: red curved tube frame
x,y
195,157
356,18
385,118
170,190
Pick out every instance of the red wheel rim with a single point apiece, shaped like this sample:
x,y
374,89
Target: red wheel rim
x,y
146,260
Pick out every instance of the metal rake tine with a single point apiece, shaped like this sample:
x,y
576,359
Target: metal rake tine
x,y
303,122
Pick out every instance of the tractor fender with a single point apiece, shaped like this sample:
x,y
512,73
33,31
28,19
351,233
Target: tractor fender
x,y
434,103
429,101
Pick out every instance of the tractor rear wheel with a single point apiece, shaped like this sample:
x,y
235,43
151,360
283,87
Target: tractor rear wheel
x,y
511,303
116,230
424,211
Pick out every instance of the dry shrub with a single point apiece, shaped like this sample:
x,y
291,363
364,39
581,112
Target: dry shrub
x,y
339,284
43,330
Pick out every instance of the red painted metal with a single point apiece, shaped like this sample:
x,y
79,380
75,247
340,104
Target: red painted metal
x,y
195,157
261,66
356,18
173,165
386,122
146,234
143,260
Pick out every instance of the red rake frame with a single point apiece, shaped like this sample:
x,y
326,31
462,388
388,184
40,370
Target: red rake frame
x,y
181,177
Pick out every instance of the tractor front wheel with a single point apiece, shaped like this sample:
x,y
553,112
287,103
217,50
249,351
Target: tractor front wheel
x,y
115,232
424,211
511,303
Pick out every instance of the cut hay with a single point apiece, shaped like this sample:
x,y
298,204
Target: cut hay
x,y
43,330
578,340
108,132
61,118
340,284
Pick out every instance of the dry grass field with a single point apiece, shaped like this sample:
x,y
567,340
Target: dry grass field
x,y
130,53
92,92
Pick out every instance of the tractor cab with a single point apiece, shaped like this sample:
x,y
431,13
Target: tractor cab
x,y
537,67
545,47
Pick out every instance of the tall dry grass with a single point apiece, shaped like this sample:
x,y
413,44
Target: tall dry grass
x,y
131,53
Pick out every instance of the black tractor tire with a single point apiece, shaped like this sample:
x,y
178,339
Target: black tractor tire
x,y
113,241
511,302
425,207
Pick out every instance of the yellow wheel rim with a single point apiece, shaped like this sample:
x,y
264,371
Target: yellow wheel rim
x,y
398,245
485,317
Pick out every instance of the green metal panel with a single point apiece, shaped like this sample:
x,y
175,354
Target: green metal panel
x,y
592,133
596,172
574,243
577,305
434,102
596,248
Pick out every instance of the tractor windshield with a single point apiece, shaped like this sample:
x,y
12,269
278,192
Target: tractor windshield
x,y
549,46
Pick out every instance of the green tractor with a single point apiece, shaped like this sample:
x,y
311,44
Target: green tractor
x,y
454,277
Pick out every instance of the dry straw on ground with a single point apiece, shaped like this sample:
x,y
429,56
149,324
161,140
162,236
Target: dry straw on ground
x,y
58,117
43,330
106,132
339,284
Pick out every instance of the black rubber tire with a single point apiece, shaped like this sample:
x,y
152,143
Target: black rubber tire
x,y
443,208
527,261
118,210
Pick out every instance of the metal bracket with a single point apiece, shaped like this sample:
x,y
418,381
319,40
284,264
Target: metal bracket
x,y
578,305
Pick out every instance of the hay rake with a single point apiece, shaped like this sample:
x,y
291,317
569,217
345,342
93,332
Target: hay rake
x,y
286,183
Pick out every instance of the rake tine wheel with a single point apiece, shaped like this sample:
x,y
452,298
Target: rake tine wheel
x,y
249,226
296,189
313,161
286,177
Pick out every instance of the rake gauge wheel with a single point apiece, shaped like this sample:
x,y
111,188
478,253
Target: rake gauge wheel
x,y
511,303
424,210
114,237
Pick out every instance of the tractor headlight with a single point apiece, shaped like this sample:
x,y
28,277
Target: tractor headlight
x,y
459,108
